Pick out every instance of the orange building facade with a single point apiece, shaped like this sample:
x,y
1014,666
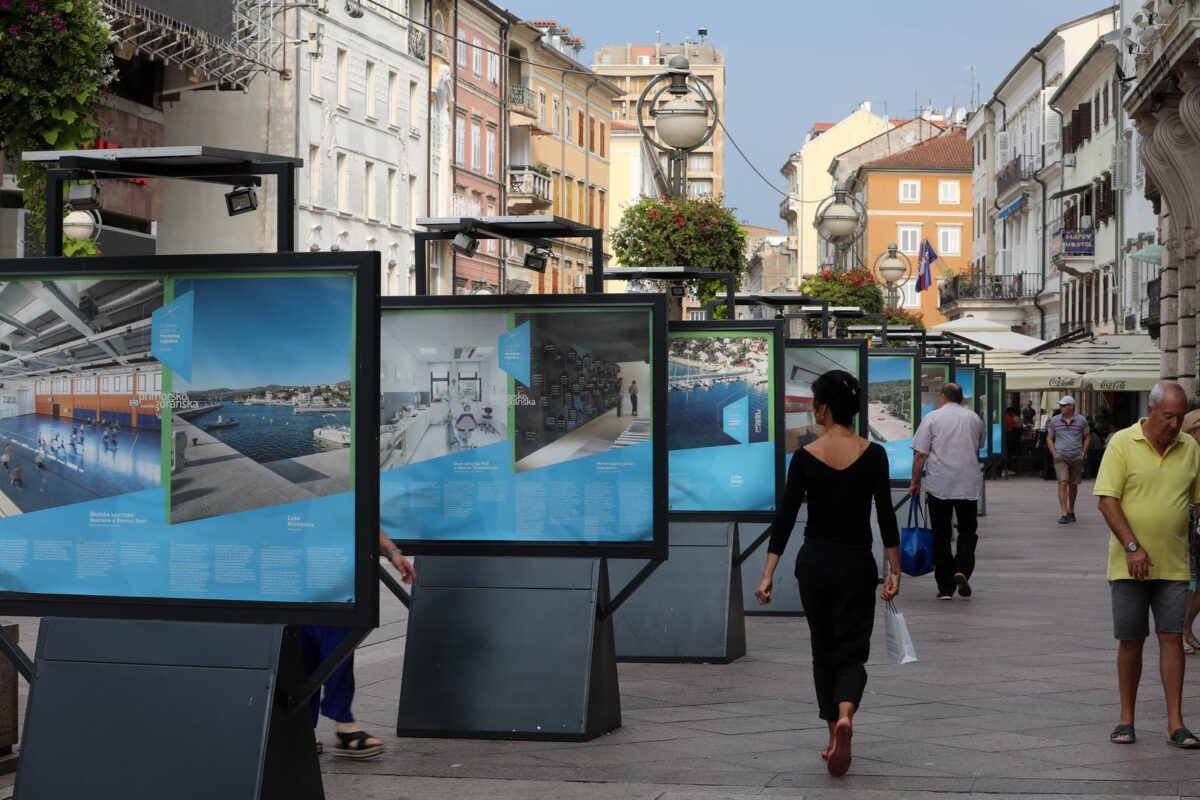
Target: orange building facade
x,y
920,194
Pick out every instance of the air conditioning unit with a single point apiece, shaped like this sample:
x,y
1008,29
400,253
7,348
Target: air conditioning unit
x,y
1085,222
579,281
1068,159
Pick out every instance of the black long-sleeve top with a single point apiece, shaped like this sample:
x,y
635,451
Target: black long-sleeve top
x,y
839,501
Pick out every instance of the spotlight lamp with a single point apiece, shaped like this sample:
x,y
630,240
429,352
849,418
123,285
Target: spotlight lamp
x,y
241,200
536,259
464,242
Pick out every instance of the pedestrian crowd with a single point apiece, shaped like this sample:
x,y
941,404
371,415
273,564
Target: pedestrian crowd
x,y
1147,490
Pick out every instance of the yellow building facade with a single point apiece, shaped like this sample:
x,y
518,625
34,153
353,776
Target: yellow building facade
x,y
920,194
558,146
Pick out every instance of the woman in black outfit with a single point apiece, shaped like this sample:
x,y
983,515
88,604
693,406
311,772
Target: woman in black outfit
x,y
840,473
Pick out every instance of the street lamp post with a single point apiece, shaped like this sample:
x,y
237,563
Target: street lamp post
x,y
682,122
893,268
840,221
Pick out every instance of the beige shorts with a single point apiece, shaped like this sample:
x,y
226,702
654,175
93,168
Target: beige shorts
x,y
1068,470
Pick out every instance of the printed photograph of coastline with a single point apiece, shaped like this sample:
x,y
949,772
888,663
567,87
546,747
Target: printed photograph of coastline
x,y
591,390
891,386
710,374
79,401
269,394
802,366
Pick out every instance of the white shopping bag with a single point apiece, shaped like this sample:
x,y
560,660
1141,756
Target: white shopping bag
x,y
899,644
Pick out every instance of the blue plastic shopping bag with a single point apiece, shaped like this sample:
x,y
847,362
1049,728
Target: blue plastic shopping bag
x,y
916,542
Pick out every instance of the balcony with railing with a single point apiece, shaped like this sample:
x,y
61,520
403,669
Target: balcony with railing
x,y
416,42
523,100
529,190
998,298
1015,173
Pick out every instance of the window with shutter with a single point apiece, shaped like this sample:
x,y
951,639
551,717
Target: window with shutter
x,y
1106,96
1085,115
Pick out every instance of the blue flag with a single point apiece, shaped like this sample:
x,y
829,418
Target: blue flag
x,y
925,266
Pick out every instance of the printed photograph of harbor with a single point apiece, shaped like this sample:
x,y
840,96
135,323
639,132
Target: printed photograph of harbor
x,y
267,414
708,373
802,366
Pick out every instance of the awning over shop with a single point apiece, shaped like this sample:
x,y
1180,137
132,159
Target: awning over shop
x,y
1028,374
1012,207
1088,355
985,333
1073,190
1150,254
1136,374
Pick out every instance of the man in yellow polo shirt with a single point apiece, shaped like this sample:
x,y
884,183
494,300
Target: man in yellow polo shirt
x,y
1149,475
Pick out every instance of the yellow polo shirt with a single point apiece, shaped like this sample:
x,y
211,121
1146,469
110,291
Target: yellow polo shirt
x,y
1154,492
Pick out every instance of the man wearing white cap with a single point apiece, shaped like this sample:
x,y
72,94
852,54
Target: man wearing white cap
x,y
1068,438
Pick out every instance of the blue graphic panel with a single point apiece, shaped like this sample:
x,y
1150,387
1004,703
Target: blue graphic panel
x,y
735,421
120,546
171,334
475,495
731,478
514,353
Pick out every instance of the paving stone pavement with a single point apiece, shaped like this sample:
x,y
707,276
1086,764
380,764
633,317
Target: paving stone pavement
x,y
1014,696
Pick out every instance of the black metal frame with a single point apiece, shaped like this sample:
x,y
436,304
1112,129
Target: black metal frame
x,y
673,274
765,299
364,611
248,173
421,240
653,303
915,354
774,329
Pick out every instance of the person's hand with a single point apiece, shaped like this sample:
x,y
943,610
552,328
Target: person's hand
x,y
1139,564
891,586
408,573
914,488
763,593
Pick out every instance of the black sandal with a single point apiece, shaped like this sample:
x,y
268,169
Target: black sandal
x,y
1120,732
354,745
1183,739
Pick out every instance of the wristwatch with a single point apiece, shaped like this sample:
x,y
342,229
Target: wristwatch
x,y
1132,547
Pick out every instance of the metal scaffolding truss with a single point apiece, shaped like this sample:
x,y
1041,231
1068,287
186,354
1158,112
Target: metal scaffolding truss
x,y
233,62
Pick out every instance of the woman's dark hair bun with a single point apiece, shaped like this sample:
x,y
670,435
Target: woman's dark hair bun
x,y
841,393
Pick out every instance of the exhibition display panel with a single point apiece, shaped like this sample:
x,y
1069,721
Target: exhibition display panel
x,y
893,406
524,425
725,418
179,438
935,374
805,360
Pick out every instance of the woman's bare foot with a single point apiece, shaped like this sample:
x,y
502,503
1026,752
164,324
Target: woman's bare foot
x,y
826,750
839,756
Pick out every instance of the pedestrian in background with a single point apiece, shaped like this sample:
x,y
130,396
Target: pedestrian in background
x,y
1028,414
839,473
1148,478
1191,427
1068,437
1012,435
337,693
948,441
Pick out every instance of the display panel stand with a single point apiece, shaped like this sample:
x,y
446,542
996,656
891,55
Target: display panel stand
x,y
190,711
511,648
691,609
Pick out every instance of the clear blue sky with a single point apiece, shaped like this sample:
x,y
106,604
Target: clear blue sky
x,y
790,63
258,331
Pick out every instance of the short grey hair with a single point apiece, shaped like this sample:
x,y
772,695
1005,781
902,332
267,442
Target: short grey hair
x,y
1162,388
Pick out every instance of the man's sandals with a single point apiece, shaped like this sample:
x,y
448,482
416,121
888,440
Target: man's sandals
x,y
1123,734
1184,739
354,745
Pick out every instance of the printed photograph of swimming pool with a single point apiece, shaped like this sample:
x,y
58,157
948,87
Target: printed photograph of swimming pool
x,y
266,424
721,416
520,421
892,404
